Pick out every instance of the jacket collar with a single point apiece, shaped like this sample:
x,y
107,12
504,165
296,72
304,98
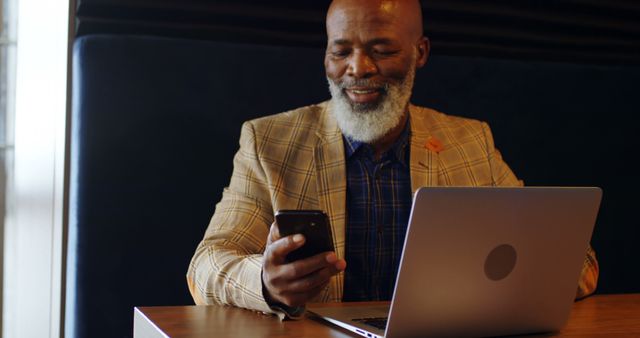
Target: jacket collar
x,y
331,186
424,159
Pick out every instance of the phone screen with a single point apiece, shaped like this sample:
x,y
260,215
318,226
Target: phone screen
x,y
313,224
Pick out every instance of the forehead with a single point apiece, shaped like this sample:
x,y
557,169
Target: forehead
x,y
365,21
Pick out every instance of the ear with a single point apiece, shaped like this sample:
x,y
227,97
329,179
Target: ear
x,y
423,51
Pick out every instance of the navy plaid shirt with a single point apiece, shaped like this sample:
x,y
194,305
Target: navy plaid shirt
x,y
378,207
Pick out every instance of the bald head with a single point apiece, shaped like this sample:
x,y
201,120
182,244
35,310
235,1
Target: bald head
x,y
373,50
405,14
380,39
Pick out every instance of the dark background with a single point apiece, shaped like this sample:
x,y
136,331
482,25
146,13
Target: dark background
x,y
582,31
156,121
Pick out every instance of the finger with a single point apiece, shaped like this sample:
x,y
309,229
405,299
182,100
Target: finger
x,y
314,292
300,298
312,281
300,268
339,264
279,249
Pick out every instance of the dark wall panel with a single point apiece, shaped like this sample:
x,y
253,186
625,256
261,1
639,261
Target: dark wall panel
x,y
585,31
557,125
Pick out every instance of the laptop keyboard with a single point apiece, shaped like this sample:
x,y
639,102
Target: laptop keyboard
x,y
378,322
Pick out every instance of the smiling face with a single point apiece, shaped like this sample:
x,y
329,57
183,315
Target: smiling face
x,y
373,49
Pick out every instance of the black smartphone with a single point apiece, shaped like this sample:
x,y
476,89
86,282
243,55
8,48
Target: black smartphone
x,y
313,224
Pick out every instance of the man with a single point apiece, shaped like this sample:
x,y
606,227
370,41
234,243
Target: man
x,y
359,158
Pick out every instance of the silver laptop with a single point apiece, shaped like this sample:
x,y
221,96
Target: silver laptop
x,y
483,262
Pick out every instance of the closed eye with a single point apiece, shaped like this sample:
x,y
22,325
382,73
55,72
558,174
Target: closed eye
x,y
386,52
340,53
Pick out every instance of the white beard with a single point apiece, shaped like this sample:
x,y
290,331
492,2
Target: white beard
x,y
368,123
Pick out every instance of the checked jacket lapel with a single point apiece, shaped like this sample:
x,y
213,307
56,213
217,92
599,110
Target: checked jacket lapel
x,y
424,157
332,190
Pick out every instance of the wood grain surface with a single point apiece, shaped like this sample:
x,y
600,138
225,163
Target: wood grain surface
x,y
597,316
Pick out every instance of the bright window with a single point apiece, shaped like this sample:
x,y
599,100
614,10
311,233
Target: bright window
x,y
33,115
7,104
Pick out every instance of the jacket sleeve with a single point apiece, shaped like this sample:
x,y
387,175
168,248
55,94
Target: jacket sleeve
x,y
503,176
226,267
589,276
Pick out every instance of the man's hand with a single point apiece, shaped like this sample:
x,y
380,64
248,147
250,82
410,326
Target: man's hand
x,y
295,283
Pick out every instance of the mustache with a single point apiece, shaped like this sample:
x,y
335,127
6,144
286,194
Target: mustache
x,y
362,83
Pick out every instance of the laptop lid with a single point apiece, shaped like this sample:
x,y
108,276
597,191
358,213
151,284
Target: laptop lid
x,y
491,261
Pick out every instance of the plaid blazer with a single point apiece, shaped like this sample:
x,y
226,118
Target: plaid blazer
x,y
295,160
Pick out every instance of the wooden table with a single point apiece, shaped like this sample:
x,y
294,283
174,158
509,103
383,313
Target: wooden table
x,y
596,316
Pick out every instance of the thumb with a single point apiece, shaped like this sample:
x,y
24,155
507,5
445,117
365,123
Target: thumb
x,y
279,249
274,234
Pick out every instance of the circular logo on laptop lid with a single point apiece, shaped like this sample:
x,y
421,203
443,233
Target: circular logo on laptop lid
x,y
500,262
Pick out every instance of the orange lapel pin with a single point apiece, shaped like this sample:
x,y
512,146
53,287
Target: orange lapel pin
x,y
434,144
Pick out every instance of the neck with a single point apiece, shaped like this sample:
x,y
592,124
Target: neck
x,y
383,144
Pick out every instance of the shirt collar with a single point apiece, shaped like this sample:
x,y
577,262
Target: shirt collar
x,y
398,150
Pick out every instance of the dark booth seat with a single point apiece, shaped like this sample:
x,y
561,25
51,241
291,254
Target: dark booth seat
x,y
155,125
156,121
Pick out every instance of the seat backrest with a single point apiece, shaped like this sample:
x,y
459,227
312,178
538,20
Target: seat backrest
x,y
156,122
155,126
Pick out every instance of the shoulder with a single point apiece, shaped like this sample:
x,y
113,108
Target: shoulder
x,y
298,127
303,118
450,127
438,120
